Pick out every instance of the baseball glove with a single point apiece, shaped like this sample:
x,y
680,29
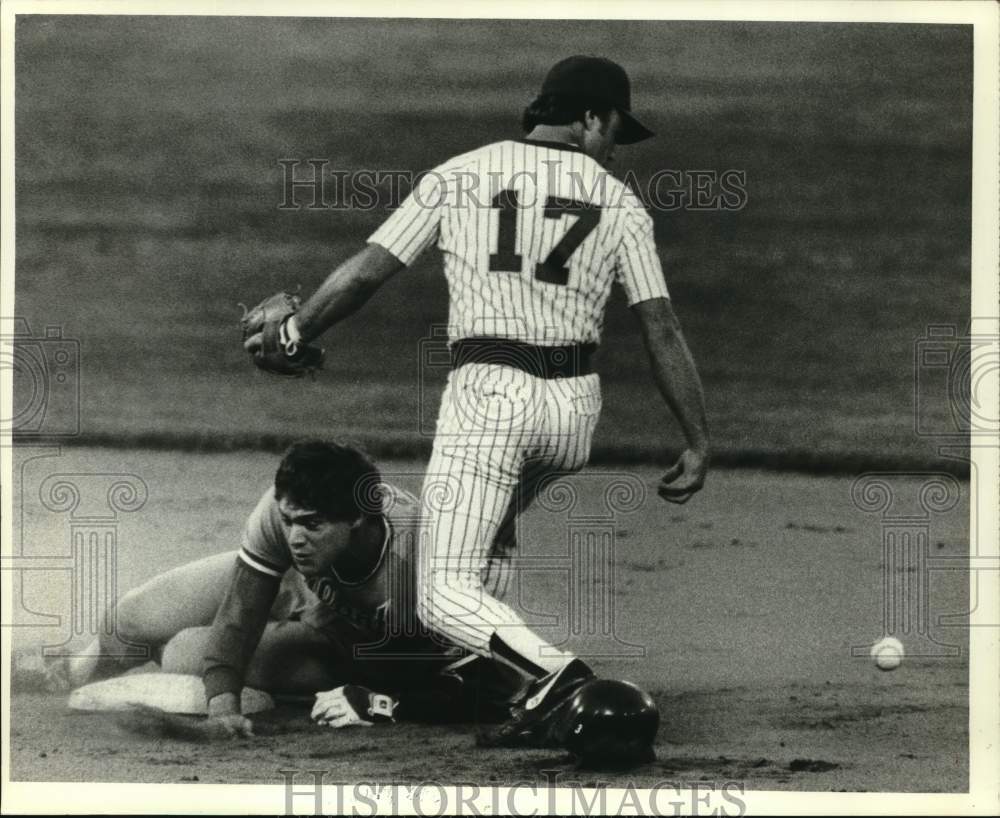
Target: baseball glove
x,y
272,350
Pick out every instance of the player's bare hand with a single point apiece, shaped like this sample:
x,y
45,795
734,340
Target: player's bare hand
x,y
231,725
225,719
685,478
254,343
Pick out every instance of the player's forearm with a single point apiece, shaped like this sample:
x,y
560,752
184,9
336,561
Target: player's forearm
x,y
236,631
345,290
677,379
676,376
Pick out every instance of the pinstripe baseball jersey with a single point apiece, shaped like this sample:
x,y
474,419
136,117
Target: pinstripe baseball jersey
x,y
533,236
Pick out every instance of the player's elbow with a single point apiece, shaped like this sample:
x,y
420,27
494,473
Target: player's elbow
x,y
134,620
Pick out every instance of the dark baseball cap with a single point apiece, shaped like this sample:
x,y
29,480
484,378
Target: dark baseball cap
x,y
601,80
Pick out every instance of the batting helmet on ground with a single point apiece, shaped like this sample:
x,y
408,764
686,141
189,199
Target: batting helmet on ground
x,y
609,723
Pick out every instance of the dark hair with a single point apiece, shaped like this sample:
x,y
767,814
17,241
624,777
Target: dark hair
x,y
339,481
557,109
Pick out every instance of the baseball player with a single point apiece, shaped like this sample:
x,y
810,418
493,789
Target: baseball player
x,y
320,597
534,232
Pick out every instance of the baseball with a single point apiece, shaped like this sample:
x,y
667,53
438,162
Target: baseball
x,y
888,653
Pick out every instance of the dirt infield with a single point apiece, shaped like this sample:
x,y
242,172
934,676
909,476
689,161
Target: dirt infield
x,y
738,612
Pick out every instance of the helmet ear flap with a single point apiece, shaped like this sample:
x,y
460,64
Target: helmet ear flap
x,y
610,724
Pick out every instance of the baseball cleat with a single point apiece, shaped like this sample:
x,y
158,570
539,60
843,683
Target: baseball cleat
x,y
535,716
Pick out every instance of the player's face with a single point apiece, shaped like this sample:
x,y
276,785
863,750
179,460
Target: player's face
x,y
599,136
315,542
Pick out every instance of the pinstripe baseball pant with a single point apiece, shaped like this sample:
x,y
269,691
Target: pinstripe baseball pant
x,y
500,433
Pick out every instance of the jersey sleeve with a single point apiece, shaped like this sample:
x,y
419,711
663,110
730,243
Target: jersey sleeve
x,y
265,545
415,226
637,264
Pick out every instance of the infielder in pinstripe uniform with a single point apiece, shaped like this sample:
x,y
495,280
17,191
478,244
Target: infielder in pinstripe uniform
x,y
534,231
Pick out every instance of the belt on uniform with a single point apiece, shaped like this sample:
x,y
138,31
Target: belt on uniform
x,y
540,361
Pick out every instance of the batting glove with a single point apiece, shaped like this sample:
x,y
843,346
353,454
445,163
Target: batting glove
x,y
352,706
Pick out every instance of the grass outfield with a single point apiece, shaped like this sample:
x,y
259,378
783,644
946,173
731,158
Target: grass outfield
x,y
148,184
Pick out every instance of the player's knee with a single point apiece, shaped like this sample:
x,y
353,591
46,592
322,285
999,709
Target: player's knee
x,y
429,608
426,612
185,652
133,620
443,603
